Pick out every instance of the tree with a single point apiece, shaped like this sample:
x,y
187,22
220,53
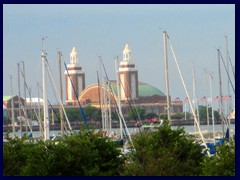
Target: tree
x,y
177,116
163,116
92,112
164,152
203,113
74,114
188,115
222,163
134,113
85,153
151,115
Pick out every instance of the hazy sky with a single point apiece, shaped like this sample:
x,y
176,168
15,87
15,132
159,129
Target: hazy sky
x,y
196,31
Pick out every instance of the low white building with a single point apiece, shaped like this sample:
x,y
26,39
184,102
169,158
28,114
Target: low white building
x,y
35,101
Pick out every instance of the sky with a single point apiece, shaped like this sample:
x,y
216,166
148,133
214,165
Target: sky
x,y
195,31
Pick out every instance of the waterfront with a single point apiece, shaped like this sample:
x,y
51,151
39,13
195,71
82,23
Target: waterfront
x,y
133,130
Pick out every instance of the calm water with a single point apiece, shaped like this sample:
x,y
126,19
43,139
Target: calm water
x,y
218,128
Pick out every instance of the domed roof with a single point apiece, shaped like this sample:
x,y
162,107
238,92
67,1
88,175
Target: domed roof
x,y
145,89
91,93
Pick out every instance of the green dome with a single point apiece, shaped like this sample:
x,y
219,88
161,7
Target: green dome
x,y
144,89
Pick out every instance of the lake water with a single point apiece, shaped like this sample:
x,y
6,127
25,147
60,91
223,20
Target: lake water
x,y
189,129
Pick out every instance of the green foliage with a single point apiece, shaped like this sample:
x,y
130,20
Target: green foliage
x,y
7,120
221,164
188,115
163,116
177,116
134,113
164,152
73,114
150,115
81,154
92,112
14,155
203,113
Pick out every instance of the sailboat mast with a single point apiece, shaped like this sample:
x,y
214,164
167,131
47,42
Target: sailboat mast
x,y
24,79
45,103
60,89
190,103
39,111
101,94
166,75
13,121
119,97
206,101
195,103
220,91
213,121
228,83
19,103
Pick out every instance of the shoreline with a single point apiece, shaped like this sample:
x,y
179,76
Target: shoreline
x,y
115,124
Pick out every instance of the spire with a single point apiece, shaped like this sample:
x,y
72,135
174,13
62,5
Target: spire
x,y
126,49
126,54
74,56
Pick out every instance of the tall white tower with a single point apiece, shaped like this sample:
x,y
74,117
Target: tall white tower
x,y
77,76
128,76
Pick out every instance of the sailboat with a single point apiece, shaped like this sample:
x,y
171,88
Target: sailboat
x,y
187,94
106,92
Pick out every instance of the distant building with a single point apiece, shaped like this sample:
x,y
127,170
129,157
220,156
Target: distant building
x,y
35,101
5,115
139,94
7,102
76,80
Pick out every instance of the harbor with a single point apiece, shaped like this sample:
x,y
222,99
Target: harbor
x,y
102,90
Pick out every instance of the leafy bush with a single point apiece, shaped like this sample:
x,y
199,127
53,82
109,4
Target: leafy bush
x,y
221,164
164,152
80,154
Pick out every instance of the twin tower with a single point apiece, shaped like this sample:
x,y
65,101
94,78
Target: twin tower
x,y
128,76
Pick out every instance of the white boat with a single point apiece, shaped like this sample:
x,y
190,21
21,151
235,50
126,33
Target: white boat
x,y
152,126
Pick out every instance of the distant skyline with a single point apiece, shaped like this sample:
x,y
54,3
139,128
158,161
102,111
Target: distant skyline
x,y
196,31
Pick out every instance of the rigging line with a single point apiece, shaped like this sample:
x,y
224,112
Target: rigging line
x,y
122,118
119,99
99,94
227,72
112,92
81,110
25,83
53,110
127,99
231,65
139,119
190,103
26,119
224,121
54,89
52,85
37,115
58,118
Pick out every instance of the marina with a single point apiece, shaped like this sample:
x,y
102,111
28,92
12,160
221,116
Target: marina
x,y
104,96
